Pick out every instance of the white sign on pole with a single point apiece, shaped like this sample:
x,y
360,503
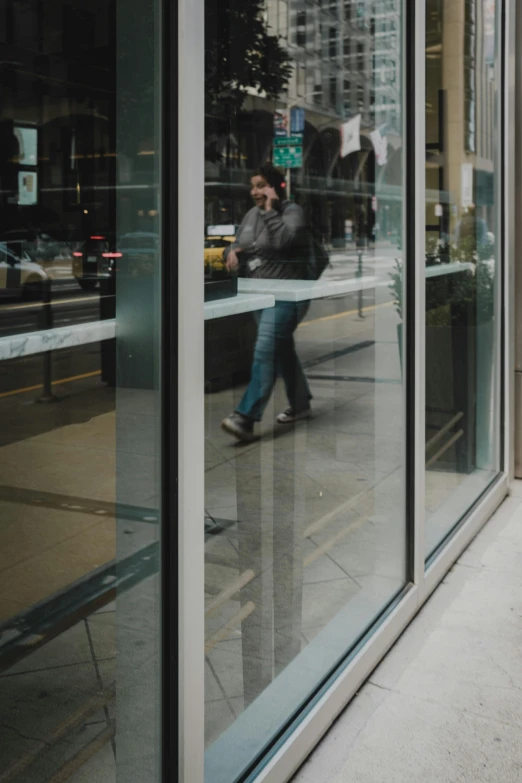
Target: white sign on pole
x,y
380,145
27,188
351,136
466,185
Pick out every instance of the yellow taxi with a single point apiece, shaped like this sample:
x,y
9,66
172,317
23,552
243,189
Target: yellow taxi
x,y
218,238
19,276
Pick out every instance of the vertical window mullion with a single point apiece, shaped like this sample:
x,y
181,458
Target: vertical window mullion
x,y
416,281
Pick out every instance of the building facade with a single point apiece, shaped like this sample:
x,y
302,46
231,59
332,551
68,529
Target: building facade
x,y
258,374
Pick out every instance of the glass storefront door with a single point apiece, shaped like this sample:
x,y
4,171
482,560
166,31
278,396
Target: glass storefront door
x,y
305,436
462,259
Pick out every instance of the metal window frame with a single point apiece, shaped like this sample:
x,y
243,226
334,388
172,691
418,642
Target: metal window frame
x,y
514,149
187,176
188,35
511,195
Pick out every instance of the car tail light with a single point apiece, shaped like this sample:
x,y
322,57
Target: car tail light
x,y
97,237
112,255
77,254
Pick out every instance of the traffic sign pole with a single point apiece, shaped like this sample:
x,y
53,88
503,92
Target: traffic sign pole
x,y
289,170
287,151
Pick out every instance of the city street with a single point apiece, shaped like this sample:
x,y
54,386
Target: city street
x,y
70,304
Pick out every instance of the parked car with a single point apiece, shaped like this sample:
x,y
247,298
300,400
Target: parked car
x,y
19,276
93,260
54,255
38,245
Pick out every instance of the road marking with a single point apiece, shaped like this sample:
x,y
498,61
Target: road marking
x,y
54,383
345,313
93,298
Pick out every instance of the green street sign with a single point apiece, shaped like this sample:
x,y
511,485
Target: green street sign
x,y
288,157
285,141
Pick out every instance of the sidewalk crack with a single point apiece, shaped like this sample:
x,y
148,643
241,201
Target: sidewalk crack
x,y
22,735
382,687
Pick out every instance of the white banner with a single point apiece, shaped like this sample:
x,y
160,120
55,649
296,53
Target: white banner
x,y
380,145
466,185
351,136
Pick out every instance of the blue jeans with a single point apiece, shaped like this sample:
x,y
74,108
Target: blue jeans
x,y
274,356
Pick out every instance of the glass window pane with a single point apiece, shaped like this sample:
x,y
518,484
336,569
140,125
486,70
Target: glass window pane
x,y
462,260
79,520
305,528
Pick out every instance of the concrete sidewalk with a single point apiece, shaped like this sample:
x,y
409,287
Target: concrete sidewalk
x,y
446,703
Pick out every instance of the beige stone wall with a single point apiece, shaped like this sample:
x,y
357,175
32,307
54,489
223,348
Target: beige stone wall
x,y
446,71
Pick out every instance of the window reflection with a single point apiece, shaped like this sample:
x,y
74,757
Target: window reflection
x,y
305,493
78,215
462,403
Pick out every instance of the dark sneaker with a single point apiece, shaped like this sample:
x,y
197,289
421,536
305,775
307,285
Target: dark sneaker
x,y
239,426
289,416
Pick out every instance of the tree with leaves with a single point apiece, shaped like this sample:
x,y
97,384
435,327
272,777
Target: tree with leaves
x,y
241,55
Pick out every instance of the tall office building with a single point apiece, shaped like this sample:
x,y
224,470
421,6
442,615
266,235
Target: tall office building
x,y
312,35
372,65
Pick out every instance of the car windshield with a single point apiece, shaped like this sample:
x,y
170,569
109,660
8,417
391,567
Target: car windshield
x,y
96,245
6,256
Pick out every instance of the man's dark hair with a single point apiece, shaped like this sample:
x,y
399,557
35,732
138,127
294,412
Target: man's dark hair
x,y
274,177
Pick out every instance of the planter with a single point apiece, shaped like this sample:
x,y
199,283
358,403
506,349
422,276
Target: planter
x,y
450,391
487,402
461,367
460,379
220,288
229,348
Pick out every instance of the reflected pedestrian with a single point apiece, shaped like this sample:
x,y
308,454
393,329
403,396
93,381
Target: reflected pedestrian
x,y
471,229
272,244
